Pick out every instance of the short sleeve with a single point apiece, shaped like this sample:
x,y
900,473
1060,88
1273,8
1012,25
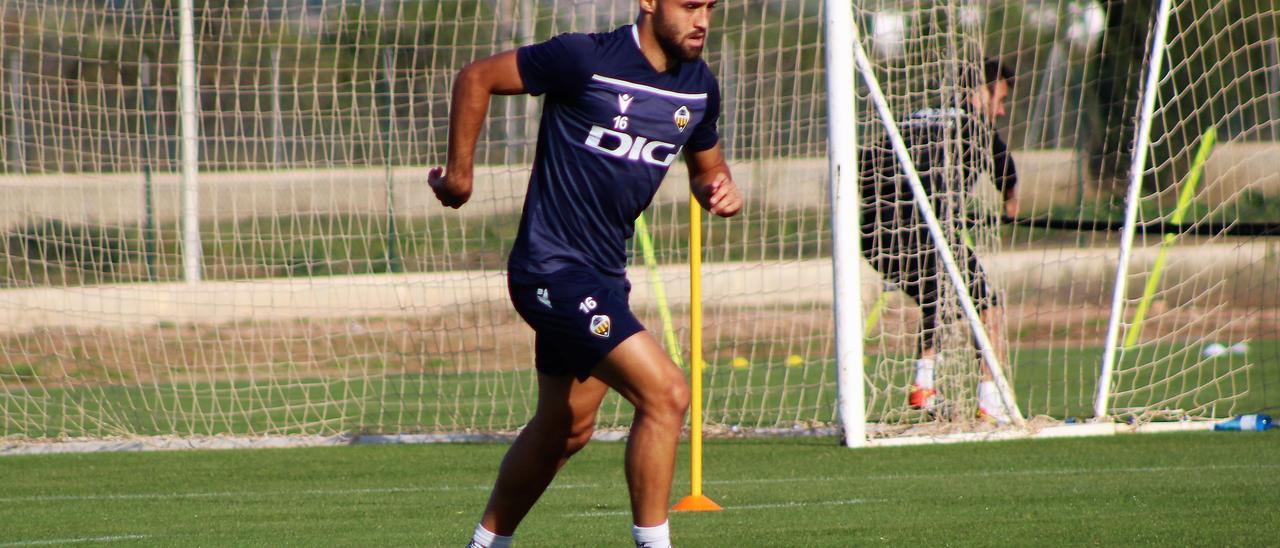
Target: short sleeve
x,y
705,135
559,66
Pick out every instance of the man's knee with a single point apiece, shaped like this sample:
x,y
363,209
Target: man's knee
x,y
558,434
680,397
578,437
670,402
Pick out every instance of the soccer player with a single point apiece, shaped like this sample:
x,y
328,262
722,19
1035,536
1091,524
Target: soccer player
x,y
950,150
620,108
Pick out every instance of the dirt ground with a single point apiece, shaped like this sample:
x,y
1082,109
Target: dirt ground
x,y
493,338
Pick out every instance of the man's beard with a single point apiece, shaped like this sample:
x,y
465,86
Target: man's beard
x,y
669,40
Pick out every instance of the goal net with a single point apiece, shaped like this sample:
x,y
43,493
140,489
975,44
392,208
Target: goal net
x,y
1197,317
335,296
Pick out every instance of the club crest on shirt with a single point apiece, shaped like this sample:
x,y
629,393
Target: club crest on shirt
x,y
544,296
624,102
600,326
682,118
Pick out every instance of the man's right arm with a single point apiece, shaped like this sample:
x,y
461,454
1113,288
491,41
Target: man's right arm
x,y
1006,175
472,88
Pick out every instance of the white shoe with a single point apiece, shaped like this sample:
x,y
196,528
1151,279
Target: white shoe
x,y
994,411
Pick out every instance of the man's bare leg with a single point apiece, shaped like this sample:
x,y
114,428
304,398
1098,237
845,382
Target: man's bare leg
x,y
923,394
990,402
641,371
561,426
993,321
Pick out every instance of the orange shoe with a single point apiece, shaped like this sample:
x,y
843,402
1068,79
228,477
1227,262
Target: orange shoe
x,y
922,398
994,413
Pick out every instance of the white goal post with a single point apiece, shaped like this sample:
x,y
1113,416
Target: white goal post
x,y
1141,144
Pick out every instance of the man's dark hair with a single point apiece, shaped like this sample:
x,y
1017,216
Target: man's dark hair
x,y
993,70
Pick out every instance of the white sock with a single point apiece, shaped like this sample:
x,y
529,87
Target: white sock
x,y
924,373
484,538
658,536
989,396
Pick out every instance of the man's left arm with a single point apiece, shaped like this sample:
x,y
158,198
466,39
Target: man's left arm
x,y
712,183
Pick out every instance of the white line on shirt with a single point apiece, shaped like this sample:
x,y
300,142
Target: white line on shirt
x,y
650,89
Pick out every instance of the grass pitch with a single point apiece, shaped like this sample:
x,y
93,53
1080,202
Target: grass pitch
x,y
1191,489
1055,383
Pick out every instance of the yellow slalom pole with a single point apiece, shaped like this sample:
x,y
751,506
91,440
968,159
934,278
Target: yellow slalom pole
x,y
659,291
1184,202
696,501
876,310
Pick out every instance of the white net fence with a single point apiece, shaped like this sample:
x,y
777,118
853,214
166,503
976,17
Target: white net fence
x,y
337,296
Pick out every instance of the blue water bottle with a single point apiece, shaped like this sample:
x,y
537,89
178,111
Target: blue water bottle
x,y
1258,422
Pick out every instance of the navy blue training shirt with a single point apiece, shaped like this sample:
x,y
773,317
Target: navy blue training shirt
x,y
611,126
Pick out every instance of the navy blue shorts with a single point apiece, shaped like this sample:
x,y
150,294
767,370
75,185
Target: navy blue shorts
x,y
579,316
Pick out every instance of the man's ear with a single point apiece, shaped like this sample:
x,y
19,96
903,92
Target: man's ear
x,y
980,99
648,6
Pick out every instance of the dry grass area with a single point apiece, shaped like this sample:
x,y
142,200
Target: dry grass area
x,y
489,339
494,338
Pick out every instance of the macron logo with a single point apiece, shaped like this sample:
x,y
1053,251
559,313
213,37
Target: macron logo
x,y
622,145
624,101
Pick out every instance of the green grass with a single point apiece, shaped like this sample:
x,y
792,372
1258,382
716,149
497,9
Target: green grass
x,y
65,254
1192,489
1250,206
1053,382
56,253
